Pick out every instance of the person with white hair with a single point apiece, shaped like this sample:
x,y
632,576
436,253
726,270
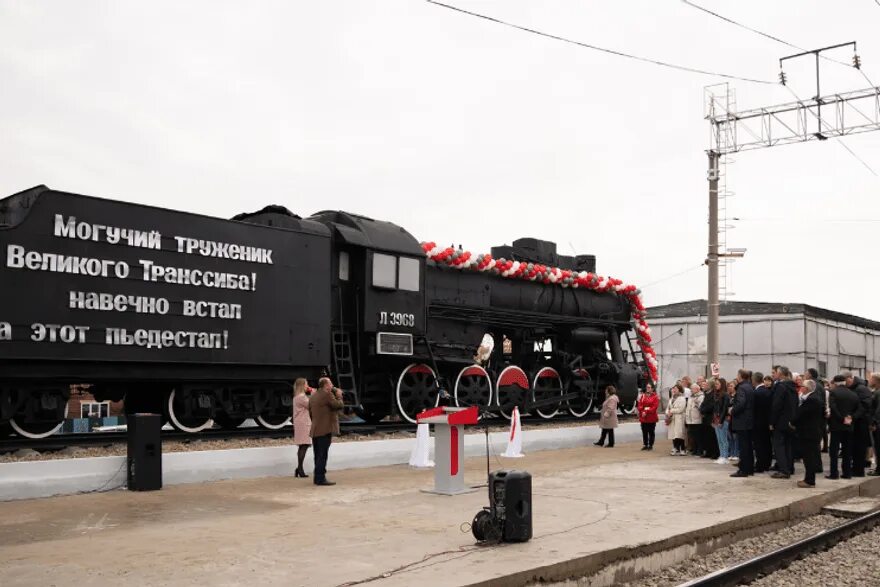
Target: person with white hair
x,y
694,420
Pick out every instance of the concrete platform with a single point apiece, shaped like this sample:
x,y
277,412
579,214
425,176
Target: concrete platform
x,y
593,507
64,477
853,507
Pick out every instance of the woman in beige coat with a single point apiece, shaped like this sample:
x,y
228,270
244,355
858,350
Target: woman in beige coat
x,y
675,428
302,423
608,418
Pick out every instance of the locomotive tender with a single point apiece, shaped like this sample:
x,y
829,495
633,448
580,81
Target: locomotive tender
x,y
208,321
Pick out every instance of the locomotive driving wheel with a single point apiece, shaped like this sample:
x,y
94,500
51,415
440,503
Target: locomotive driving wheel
x,y
580,381
473,387
546,386
48,424
416,391
177,405
513,390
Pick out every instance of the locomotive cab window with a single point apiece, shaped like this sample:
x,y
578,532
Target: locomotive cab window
x,y
384,271
343,265
408,274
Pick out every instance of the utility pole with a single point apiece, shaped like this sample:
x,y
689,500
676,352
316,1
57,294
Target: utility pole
x,y
712,262
731,132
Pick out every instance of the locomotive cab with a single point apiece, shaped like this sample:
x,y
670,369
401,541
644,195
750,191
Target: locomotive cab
x,y
378,309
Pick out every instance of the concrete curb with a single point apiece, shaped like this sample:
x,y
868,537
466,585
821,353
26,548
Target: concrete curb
x,y
626,564
31,479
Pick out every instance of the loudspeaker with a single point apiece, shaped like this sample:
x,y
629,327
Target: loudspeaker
x,y
144,452
510,496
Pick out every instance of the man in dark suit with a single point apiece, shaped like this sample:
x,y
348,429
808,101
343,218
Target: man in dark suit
x,y
874,383
785,401
845,408
324,406
743,421
808,422
861,425
813,375
761,432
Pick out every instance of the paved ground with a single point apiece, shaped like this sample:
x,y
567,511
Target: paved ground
x,y
286,531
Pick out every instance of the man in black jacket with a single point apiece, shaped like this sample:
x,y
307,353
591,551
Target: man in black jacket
x,y
785,401
707,408
813,374
808,422
761,432
743,421
845,409
874,385
861,425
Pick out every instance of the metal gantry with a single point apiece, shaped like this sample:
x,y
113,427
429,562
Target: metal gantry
x,y
816,119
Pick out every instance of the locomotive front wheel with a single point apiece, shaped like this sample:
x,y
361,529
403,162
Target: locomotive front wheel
x,y
473,387
513,390
177,415
547,384
581,406
40,429
416,391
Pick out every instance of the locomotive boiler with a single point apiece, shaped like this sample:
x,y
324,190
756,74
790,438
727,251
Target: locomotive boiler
x,y
208,321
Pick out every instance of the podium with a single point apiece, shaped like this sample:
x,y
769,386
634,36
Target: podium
x,y
449,426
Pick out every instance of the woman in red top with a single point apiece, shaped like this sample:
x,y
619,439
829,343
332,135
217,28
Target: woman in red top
x,y
648,403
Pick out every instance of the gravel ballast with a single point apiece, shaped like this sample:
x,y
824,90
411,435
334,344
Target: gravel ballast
x,y
854,562
728,555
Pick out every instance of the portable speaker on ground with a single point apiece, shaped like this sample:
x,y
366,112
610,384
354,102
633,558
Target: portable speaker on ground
x,y
144,452
509,515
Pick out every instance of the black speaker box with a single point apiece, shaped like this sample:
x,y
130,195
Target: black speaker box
x,y
144,452
510,494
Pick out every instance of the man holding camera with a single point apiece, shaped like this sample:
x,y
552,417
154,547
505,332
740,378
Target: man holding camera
x,y
324,407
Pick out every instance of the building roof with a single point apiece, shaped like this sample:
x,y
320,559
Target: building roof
x,y
700,308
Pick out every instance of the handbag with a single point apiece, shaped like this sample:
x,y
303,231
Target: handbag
x,y
668,419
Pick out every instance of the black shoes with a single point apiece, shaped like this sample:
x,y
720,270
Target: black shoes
x,y
646,448
325,482
597,444
832,477
300,473
739,474
778,475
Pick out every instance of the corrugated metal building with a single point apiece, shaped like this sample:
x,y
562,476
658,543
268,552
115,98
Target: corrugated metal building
x,y
758,335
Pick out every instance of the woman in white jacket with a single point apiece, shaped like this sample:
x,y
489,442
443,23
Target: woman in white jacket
x,y
676,430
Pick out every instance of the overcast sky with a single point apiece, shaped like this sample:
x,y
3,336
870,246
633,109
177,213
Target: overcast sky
x,y
458,129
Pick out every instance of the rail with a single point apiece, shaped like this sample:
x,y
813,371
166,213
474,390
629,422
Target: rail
x,y
759,566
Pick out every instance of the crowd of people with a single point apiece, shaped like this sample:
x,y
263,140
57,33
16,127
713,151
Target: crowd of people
x,y
763,424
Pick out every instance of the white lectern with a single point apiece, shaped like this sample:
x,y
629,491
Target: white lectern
x,y
449,426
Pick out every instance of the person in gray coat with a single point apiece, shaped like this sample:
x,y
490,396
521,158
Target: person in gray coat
x,y
608,417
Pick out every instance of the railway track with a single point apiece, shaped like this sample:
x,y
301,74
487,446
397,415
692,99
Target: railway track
x,y
760,566
61,441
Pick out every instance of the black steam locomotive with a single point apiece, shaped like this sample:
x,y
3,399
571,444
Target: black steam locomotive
x,y
208,321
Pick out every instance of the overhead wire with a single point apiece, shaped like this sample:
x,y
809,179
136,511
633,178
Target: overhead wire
x,y
598,48
775,38
668,277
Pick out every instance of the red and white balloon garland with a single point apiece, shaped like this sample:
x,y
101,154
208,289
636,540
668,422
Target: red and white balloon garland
x,y
465,260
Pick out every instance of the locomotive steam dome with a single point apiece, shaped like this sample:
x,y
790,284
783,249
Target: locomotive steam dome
x,y
532,250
